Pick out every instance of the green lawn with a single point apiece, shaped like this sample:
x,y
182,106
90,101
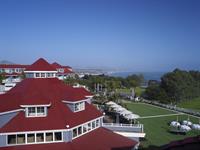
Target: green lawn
x,y
139,91
125,90
147,110
157,129
192,104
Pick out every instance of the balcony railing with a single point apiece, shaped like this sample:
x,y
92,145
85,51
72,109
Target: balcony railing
x,y
138,128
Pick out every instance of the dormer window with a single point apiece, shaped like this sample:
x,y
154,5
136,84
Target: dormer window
x,y
61,70
76,106
36,111
79,106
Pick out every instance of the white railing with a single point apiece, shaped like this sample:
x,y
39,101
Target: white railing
x,y
11,80
124,126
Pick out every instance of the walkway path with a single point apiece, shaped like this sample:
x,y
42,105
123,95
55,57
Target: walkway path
x,y
157,116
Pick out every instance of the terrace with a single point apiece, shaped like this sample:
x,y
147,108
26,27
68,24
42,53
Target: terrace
x,y
134,131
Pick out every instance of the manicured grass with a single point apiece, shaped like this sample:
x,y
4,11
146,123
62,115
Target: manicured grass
x,y
157,129
192,104
146,110
125,90
139,91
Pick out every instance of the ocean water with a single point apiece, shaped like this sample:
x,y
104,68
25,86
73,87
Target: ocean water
x,y
147,75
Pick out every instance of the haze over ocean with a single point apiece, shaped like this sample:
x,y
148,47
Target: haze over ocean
x,y
147,75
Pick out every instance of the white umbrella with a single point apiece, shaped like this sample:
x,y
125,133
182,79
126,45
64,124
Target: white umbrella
x,y
175,124
185,128
196,126
186,122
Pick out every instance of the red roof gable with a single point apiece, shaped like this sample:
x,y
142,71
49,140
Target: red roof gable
x,y
40,65
103,139
56,65
66,68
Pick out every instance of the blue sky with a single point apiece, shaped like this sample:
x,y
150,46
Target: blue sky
x,y
134,35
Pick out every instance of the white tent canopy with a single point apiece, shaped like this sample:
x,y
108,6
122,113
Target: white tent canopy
x,y
110,103
122,111
132,116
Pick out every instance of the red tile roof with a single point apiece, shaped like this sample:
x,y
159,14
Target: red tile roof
x,y
45,91
66,68
59,115
99,139
40,65
103,139
181,144
84,91
13,66
33,91
56,65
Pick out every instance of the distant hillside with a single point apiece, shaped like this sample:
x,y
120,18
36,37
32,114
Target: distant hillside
x,y
6,62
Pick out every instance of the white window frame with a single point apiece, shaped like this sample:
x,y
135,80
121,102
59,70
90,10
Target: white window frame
x,y
80,106
86,125
36,114
35,141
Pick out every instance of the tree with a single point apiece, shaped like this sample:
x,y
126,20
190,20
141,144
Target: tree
x,y
2,77
176,86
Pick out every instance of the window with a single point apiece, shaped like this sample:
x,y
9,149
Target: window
x,y
79,106
31,111
93,124
31,138
85,128
80,130
97,123
20,138
39,137
34,138
89,126
36,111
49,136
37,75
40,111
42,75
58,136
48,75
74,133
61,70
12,139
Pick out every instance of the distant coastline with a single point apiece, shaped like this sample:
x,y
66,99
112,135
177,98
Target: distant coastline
x,y
147,75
